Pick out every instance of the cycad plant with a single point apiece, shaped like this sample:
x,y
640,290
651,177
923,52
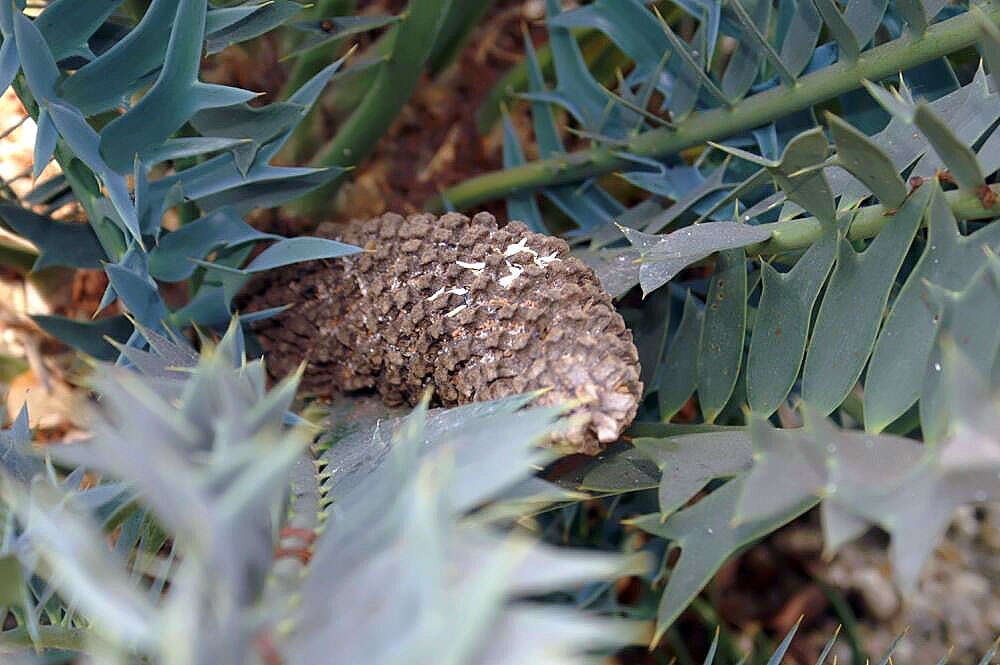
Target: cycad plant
x,y
235,540
815,260
809,214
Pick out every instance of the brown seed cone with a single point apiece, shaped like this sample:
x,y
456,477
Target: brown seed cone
x,y
459,306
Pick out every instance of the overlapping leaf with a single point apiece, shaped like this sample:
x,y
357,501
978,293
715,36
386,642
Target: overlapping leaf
x,y
661,257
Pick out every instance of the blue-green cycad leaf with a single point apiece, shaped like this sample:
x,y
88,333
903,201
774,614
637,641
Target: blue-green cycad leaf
x,y
967,319
16,456
60,243
294,250
67,25
971,110
627,471
263,192
577,91
720,352
170,260
959,157
139,295
949,260
77,557
956,154
325,30
820,460
263,18
683,200
744,66
801,37
189,146
105,82
781,324
649,325
839,29
524,206
663,256
989,43
174,98
398,491
678,373
87,336
218,182
10,62
866,478
914,14
796,174
916,509
692,75
255,125
84,141
853,305
45,143
706,534
863,158
689,461
638,33
39,66
975,417
587,204
166,357
864,17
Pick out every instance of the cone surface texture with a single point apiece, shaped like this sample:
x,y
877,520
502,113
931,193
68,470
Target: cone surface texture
x,y
459,306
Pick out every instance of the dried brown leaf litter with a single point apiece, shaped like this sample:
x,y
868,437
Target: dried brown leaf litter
x,y
469,310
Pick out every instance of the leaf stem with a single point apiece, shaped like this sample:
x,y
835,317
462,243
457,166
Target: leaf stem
x,y
868,221
876,64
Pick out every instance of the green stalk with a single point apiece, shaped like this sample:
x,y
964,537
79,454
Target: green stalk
x,y
342,100
868,221
338,102
392,88
458,24
875,65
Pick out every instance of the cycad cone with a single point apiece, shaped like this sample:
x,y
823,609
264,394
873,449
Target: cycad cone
x,y
461,307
